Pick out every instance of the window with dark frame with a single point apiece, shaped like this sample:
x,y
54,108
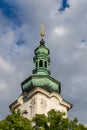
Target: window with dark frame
x,y
40,63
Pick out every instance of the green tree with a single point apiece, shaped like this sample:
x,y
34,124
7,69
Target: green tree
x,y
56,121
53,121
41,122
15,121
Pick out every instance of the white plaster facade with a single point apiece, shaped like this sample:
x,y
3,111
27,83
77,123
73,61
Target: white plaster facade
x,y
40,101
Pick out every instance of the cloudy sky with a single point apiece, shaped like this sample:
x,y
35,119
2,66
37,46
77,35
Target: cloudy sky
x,y
65,35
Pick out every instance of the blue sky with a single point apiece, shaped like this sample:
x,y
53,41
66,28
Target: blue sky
x,y
65,35
9,10
64,5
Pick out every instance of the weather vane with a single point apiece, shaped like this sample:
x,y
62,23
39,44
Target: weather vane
x,y
42,31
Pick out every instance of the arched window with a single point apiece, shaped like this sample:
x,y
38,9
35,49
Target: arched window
x,y
45,64
40,63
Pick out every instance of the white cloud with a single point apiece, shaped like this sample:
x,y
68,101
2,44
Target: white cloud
x,y
7,38
83,45
5,66
3,85
60,31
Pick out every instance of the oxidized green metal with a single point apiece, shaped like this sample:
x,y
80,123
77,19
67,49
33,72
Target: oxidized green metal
x,y
41,74
44,81
41,55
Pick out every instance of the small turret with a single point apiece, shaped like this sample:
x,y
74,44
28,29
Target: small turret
x,y
41,59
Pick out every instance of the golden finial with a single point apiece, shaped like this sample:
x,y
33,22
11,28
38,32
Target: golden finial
x,y
42,31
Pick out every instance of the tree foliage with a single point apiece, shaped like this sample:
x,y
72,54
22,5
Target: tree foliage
x,y
56,121
53,121
15,121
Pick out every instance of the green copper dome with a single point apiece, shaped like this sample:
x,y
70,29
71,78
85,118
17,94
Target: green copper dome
x,y
43,81
42,50
41,73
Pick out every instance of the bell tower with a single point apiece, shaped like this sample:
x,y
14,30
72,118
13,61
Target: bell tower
x,y
40,91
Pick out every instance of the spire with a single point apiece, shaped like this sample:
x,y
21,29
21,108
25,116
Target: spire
x,y
42,42
41,58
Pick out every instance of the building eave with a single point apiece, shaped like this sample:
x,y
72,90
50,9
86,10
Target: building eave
x,y
14,105
49,95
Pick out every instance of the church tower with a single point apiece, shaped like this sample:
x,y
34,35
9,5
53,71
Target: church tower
x,y
40,92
